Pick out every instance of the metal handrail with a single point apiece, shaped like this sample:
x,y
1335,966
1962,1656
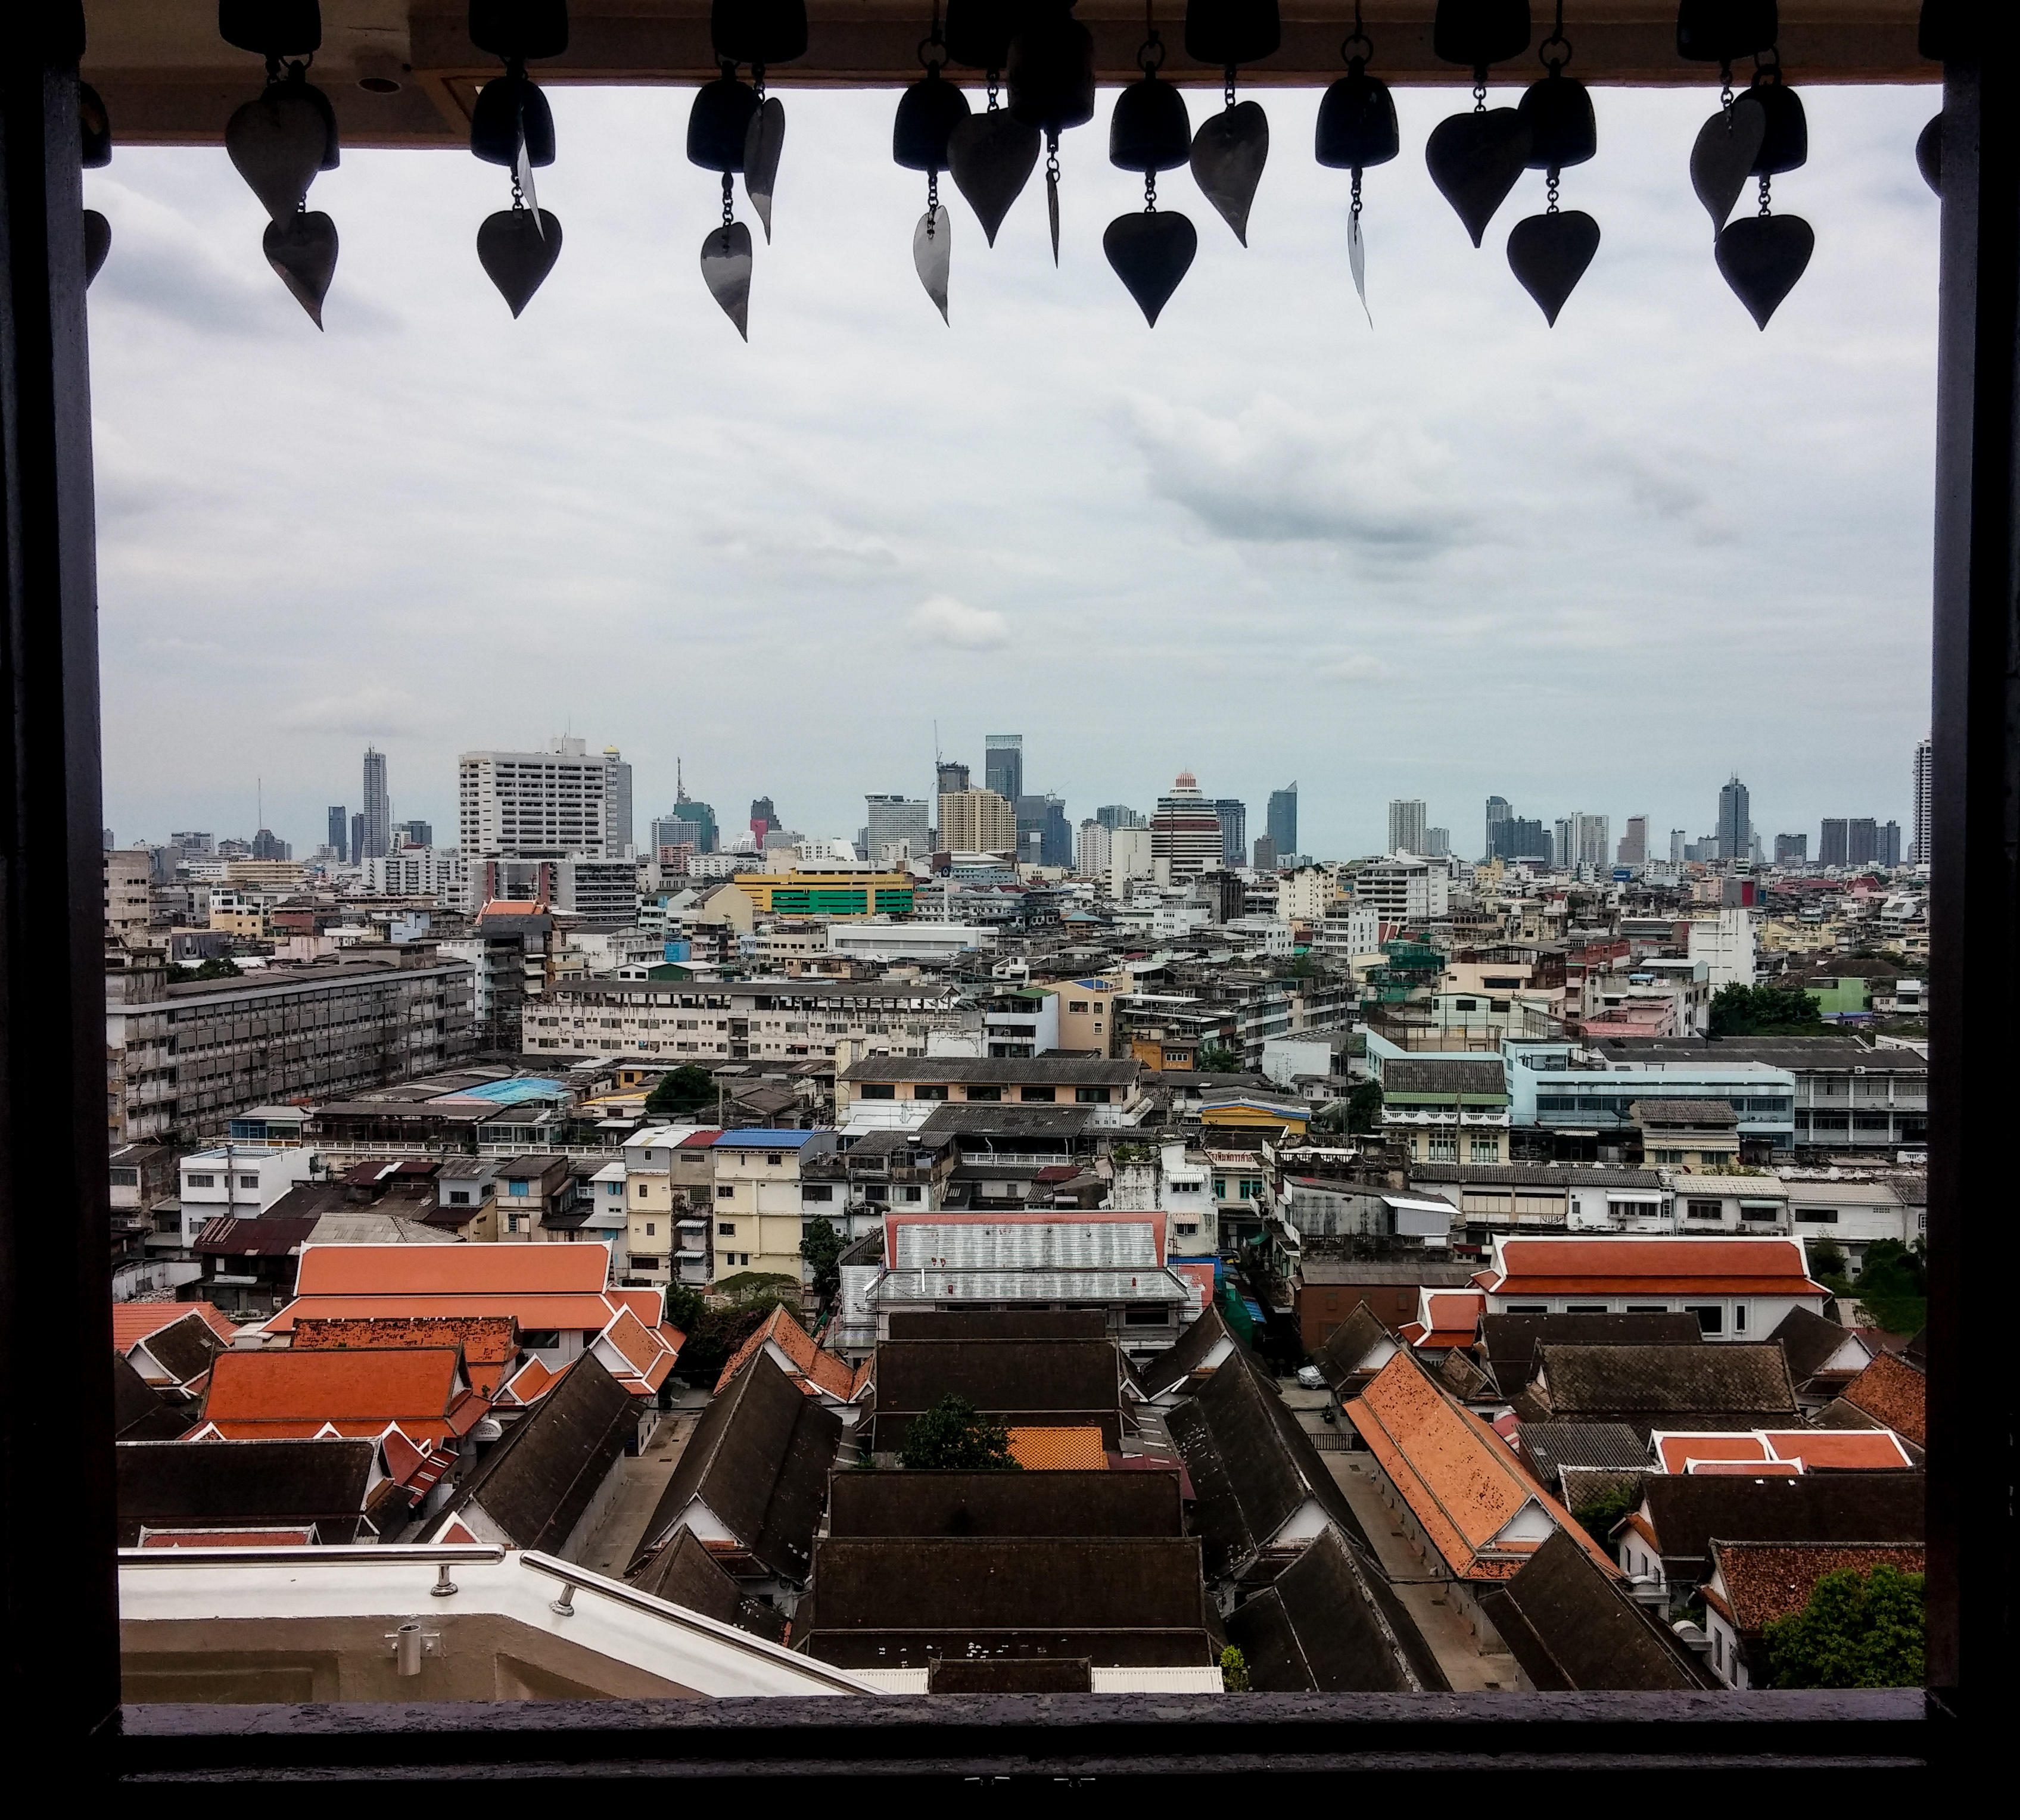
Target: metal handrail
x,y
578,1579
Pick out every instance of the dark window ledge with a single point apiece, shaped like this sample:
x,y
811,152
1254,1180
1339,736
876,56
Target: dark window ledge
x,y
1031,1736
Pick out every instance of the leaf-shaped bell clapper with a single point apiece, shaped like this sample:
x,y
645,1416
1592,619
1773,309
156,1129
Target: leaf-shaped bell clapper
x,y
719,123
758,32
1149,131
94,127
1557,111
1718,31
516,29
1476,33
271,28
1051,68
1784,146
1356,127
277,142
978,32
508,106
1224,33
927,111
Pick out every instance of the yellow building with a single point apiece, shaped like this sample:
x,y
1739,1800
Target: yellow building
x,y
977,821
264,875
757,1204
830,893
1242,1111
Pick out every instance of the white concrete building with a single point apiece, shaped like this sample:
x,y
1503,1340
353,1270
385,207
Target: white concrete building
x,y
907,941
1725,946
1403,890
564,802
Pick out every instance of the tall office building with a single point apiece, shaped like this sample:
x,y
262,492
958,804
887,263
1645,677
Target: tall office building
x,y
1437,843
357,838
1736,829
1185,832
1114,815
763,820
1500,810
977,821
1582,840
266,845
1925,784
1792,850
1832,847
1679,839
618,834
1233,830
378,807
1862,841
1407,820
554,804
1282,826
1522,837
1003,764
1886,849
1045,836
1094,848
950,778
1634,842
412,834
688,823
339,836
190,842
1266,854
889,819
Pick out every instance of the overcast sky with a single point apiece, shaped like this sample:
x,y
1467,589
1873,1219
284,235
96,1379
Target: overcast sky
x,y
1596,567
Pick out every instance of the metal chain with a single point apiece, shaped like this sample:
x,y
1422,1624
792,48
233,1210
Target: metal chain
x,y
757,80
1725,91
1552,190
519,195
1356,211
1479,91
932,202
1150,192
1227,82
729,201
995,78
1052,159
1765,209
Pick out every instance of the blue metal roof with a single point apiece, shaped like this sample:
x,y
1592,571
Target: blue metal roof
x,y
758,1139
513,1093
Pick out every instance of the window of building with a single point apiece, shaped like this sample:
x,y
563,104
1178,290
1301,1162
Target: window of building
x,y
989,1093
459,1197
1704,1210
1586,1308
518,1187
929,1090
1648,1307
1091,1096
1076,1005
1442,1149
725,1229
914,1194
651,1229
1818,1216
201,1181
773,1158
1040,1095
876,1090
817,1192
1484,1150
1528,1307
1152,1316
725,1193
1710,1320
1186,1228
540,1339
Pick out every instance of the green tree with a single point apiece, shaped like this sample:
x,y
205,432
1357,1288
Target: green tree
x,y
217,967
1737,1010
954,1433
822,1246
1858,1630
717,1332
1216,1058
1597,1517
1827,1265
1893,1284
679,1093
1234,1670
1364,1107
684,1307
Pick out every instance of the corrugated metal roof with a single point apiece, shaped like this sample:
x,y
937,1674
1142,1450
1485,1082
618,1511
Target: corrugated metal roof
x,y
1026,1245
1036,1285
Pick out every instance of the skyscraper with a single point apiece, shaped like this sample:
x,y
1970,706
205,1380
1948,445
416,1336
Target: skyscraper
x,y
1862,836
977,821
1003,764
339,836
1437,843
1282,827
552,804
1499,811
1266,854
1887,849
888,820
1185,833
617,828
413,834
1582,841
357,838
1233,830
1736,829
1679,839
1792,850
1833,846
1407,820
1114,815
950,778
1925,784
1634,842
378,808
763,820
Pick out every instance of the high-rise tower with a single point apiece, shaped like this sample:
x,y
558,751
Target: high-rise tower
x,y
1735,828
378,808
1925,783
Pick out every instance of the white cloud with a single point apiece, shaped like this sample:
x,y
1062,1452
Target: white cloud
x,y
948,621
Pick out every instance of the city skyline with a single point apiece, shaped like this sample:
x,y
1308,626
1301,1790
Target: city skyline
x,y
1277,559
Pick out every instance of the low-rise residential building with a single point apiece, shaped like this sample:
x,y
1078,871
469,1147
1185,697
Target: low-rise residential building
x,y
681,1020
1586,1097
669,1190
759,1210
1737,1288
1446,1109
1111,1091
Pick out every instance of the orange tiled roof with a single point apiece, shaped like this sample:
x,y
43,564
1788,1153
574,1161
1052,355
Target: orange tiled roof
x,y
811,1369
1727,1267
422,1390
649,1305
1461,1482
1057,1450
1757,1581
453,1270
490,1342
643,1360
1892,1391
530,1382
585,1312
133,1321
1763,1451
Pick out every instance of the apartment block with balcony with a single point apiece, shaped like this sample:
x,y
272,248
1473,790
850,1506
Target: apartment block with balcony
x,y
1110,1092
669,1183
682,1021
758,1206
1446,1109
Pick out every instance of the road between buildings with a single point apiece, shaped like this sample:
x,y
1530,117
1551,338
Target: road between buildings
x,y
642,1479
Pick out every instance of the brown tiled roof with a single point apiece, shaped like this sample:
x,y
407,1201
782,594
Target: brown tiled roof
x,y
1894,1394
1764,1580
1511,1340
1572,1626
1680,1514
813,1369
1628,1384
1330,1624
1002,1503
